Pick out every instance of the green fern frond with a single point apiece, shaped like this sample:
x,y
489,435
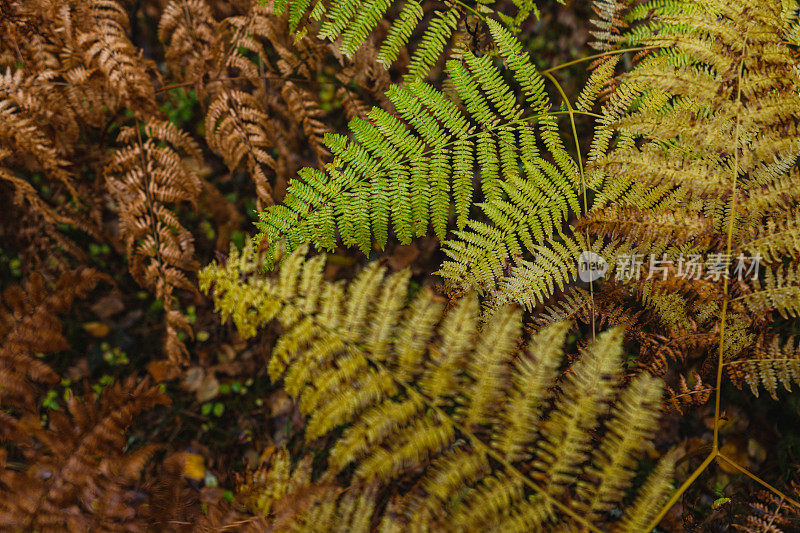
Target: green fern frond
x,y
531,282
403,172
531,208
554,268
351,22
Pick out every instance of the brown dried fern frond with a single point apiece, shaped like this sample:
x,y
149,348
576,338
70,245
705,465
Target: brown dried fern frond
x,y
303,105
685,397
73,474
188,30
236,128
25,142
259,102
148,177
102,38
769,513
261,87
29,326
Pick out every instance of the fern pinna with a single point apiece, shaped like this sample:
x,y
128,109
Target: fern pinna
x,y
697,156
350,23
261,87
457,407
145,177
67,470
409,171
283,495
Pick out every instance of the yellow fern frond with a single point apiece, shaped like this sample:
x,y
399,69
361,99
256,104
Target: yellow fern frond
x,y
504,438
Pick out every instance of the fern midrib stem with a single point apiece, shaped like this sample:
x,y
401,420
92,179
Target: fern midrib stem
x,y
478,443
757,479
571,113
728,248
714,454
598,56
150,202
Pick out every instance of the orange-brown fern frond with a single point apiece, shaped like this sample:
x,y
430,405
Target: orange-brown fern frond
x,y
74,473
148,177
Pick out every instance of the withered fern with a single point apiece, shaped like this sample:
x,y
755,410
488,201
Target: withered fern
x,y
486,430
697,156
146,177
